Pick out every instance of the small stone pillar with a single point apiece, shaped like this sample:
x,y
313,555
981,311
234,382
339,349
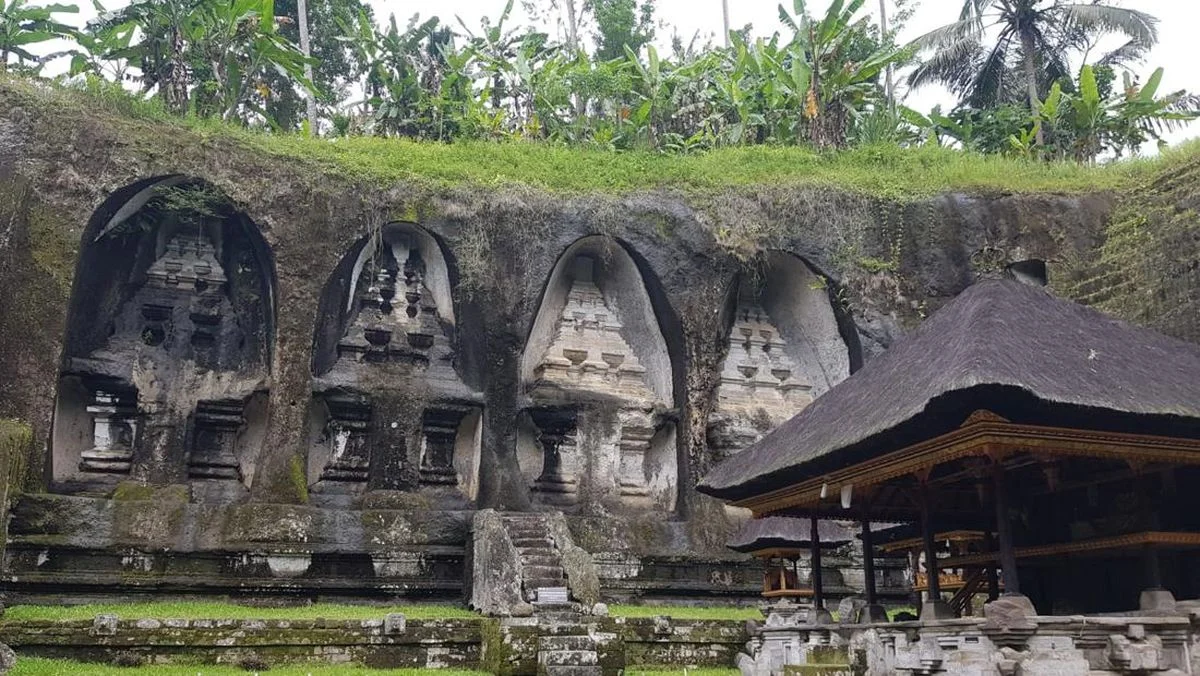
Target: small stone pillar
x,y
440,429
636,433
214,438
557,481
349,456
114,426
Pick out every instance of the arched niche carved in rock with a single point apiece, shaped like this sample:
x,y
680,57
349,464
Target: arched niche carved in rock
x,y
168,345
785,349
598,378
390,411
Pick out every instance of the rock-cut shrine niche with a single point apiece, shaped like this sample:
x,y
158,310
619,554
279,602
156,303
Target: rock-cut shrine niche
x,y
598,377
390,410
168,344
785,349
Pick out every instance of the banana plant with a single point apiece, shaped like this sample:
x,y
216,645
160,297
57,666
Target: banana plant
x,y
23,25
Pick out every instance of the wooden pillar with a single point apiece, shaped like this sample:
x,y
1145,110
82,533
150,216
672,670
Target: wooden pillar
x,y
815,559
993,577
931,564
1008,556
868,562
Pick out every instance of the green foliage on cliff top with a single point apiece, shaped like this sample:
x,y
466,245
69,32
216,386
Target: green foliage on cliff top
x,y
209,610
32,666
885,170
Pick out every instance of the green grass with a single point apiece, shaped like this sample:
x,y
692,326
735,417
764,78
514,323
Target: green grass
x,y
228,611
32,666
887,171
687,612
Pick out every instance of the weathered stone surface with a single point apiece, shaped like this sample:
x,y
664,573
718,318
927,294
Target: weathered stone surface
x,y
496,571
1009,611
581,571
8,659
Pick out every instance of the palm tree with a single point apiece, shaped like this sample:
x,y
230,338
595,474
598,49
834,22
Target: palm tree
x,y
1008,50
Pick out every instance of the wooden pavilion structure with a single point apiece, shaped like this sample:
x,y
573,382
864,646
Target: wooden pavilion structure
x,y
1061,434
780,542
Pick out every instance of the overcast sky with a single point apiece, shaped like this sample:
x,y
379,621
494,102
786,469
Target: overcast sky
x,y
1175,52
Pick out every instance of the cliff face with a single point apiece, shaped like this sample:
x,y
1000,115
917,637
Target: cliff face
x,y
881,264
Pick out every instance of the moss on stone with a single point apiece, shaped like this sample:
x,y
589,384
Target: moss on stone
x,y
299,478
496,652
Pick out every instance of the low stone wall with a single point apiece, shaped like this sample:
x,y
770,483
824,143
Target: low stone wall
x,y
1137,643
509,646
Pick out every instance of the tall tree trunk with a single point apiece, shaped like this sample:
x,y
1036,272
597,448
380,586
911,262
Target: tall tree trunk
x,y
883,29
310,98
725,18
572,26
1031,85
175,88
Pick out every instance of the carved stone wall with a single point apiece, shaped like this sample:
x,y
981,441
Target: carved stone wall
x,y
599,382
169,352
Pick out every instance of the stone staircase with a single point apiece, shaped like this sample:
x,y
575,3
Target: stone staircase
x,y
568,652
543,579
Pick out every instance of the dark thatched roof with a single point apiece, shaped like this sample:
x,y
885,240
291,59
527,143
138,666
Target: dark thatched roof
x,y
780,532
1010,347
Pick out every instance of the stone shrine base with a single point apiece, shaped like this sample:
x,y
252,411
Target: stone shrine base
x,y
1004,644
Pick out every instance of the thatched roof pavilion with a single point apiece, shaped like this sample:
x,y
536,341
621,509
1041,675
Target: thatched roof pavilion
x,y
1008,400
783,533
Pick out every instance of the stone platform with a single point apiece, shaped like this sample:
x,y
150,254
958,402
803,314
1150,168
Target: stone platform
x,y
516,646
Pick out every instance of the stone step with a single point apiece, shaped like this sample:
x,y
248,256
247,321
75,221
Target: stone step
x,y
535,583
533,542
541,560
543,573
560,670
568,642
568,658
558,617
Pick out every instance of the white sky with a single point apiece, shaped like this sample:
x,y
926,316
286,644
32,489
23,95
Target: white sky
x,y
1175,51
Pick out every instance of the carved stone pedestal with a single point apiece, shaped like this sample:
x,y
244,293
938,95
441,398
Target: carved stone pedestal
x,y
214,440
349,456
440,428
557,483
114,426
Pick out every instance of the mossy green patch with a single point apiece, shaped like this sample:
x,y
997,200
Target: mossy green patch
x,y
733,613
299,478
46,667
208,610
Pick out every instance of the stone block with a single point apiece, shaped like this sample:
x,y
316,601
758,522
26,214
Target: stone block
x,y
1010,610
600,610
936,610
1135,654
394,623
1156,599
8,659
104,625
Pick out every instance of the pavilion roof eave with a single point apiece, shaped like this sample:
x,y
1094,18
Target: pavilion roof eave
x,y
983,435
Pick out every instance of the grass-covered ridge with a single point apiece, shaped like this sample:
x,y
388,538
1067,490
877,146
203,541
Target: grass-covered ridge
x,y
886,171
212,610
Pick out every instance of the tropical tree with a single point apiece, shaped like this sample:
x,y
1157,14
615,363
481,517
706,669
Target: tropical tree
x,y
834,64
1002,51
621,24
23,25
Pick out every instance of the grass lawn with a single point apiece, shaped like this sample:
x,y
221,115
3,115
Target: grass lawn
x,y
207,610
33,666
687,612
